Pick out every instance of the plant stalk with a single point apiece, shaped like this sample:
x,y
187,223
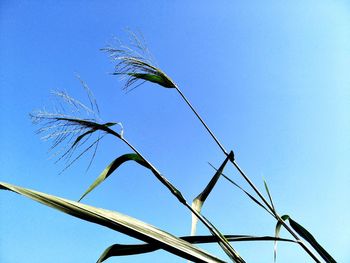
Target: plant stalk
x,y
246,178
201,120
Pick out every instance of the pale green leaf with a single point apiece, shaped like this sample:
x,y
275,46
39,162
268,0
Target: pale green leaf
x,y
200,199
277,233
119,222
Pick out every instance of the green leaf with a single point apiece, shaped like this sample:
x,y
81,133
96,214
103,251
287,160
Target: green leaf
x,y
80,137
200,199
116,250
92,130
112,167
159,79
268,193
277,233
118,222
133,157
134,249
312,241
305,235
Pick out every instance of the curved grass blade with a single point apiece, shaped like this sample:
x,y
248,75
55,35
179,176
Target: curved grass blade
x,y
118,222
277,233
117,250
200,199
134,249
112,167
80,137
312,241
232,238
90,124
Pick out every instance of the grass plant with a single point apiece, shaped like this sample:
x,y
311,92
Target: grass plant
x,y
76,129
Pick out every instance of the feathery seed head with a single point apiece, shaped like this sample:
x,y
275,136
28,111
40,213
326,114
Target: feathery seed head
x,y
72,124
135,63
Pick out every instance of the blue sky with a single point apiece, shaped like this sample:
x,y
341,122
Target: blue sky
x,y
270,79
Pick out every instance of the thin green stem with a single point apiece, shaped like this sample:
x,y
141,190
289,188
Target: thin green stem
x,y
246,178
201,120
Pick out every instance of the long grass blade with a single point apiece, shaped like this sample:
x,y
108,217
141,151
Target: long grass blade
x,y
118,222
312,241
135,249
200,199
112,167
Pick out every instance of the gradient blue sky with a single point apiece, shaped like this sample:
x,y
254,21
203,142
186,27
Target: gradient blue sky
x,y
271,79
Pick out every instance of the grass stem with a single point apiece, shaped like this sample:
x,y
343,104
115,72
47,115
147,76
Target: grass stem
x,y
246,178
201,120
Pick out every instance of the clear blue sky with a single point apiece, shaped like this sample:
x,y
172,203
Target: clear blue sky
x,y
271,79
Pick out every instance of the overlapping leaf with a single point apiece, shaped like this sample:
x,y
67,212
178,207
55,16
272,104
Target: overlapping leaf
x,y
312,241
134,249
119,222
305,234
